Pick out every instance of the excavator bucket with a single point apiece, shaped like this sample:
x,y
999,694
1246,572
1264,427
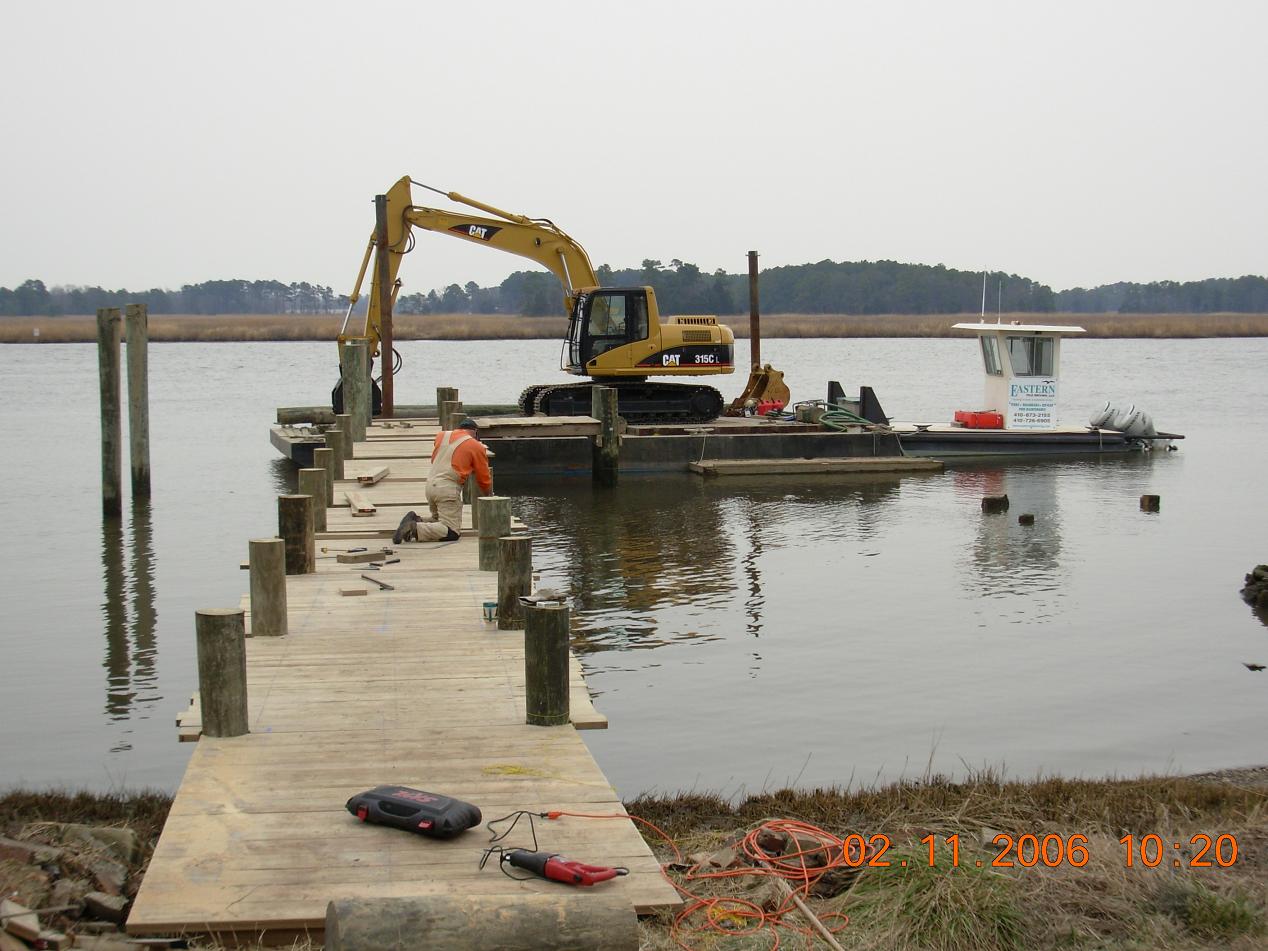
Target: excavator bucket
x,y
765,384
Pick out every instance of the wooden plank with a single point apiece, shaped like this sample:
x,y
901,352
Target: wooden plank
x,y
859,465
359,504
494,427
374,475
359,557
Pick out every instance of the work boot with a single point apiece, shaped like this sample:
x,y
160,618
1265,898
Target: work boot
x,y
452,536
406,530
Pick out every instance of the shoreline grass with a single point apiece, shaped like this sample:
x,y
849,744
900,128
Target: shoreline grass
x,y
280,327
1103,904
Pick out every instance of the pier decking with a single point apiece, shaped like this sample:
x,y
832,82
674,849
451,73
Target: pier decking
x,y
407,686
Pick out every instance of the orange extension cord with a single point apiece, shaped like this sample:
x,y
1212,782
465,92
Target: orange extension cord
x,y
738,916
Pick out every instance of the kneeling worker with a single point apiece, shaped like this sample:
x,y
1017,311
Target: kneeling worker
x,y
457,454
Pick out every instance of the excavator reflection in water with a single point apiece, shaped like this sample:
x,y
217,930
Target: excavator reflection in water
x,y
616,335
664,562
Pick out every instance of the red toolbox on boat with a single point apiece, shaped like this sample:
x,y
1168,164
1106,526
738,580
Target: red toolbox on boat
x,y
979,419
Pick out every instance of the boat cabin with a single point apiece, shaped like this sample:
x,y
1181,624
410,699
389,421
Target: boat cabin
x,y
1022,363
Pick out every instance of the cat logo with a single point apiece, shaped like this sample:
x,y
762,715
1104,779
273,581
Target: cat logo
x,y
670,359
478,232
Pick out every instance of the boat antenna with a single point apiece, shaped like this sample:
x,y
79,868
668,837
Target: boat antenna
x,y
983,295
999,300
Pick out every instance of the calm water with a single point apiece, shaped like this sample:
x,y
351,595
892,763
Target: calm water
x,y
740,634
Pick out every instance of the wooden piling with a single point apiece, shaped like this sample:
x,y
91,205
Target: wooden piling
x,y
606,449
450,414
495,521
344,423
222,671
324,458
994,504
355,370
470,492
754,314
387,337
267,558
515,579
1151,503
111,425
1026,519
546,664
295,526
334,442
313,482
137,320
444,394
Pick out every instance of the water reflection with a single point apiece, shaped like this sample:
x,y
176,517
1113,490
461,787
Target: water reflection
x,y
284,476
129,617
1009,560
623,554
670,559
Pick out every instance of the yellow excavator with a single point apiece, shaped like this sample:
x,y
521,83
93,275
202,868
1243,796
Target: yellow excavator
x,y
616,335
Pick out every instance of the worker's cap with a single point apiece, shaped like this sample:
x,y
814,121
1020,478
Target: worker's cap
x,y
468,424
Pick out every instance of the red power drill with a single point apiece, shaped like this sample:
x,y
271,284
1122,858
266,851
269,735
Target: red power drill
x,y
556,868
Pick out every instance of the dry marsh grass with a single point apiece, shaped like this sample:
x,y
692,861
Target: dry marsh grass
x,y
266,327
1103,905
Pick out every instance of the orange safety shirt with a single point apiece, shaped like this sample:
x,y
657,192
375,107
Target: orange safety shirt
x,y
469,456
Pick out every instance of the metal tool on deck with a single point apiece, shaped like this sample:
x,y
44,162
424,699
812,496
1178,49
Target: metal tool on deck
x,y
556,868
383,585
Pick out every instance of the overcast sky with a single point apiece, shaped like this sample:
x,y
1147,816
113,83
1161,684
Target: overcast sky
x,y
156,144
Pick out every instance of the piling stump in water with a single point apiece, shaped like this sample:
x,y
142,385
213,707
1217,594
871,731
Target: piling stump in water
x,y
222,671
515,579
495,521
994,504
1151,503
324,458
1025,519
546,664
137,319
606,449
575,920
295,526
268,587
111,425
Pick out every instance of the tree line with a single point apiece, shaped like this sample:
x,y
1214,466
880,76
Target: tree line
x,y
33,299
827,287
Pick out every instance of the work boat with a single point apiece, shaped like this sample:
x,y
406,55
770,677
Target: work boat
x,y
1018,415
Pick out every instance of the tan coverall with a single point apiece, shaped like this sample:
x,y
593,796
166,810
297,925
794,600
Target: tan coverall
x,y
444,489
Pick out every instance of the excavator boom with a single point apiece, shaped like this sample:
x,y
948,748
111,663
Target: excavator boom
x,y
614,334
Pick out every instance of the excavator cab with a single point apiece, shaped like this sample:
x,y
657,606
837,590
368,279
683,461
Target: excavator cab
x,y
602,320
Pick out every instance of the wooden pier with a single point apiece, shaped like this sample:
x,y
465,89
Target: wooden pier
x,y
408,686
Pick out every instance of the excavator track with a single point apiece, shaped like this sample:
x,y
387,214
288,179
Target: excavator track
x,y
638,401
528,398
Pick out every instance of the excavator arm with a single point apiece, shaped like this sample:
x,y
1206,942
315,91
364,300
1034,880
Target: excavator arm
x,y
537,239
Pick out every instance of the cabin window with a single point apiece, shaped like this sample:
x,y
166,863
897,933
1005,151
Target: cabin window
x,y
607,315
606,328
990,355
1031,356
638,317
